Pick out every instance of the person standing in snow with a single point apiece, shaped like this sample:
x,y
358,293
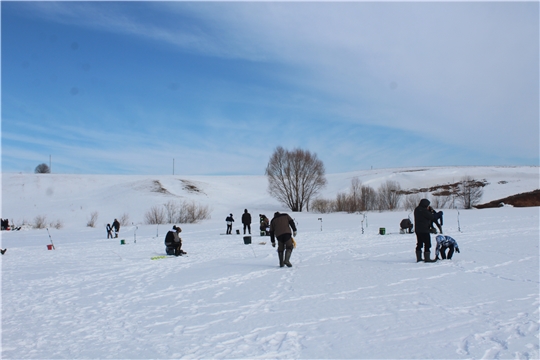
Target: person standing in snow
x,y
422,223
246,220
109,231
229,221
437,220
116,227
280,228
445,242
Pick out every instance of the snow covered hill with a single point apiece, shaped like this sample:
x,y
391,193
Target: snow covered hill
x,y
71,199
351,293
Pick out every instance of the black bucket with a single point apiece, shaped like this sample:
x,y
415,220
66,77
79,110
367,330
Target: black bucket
x,y
382,231
247,240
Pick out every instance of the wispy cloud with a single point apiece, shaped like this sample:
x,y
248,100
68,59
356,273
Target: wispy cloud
x,y
358,83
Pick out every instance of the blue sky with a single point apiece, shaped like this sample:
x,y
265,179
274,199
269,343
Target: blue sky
x,y
126,87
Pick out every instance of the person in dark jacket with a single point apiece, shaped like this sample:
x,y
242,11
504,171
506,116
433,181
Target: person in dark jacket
x,y
116,227
280,228
437,220
422,223
264,225
406,225
229,219
173,242
246,220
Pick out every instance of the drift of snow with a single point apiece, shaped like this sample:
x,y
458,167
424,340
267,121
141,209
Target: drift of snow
x,y
351,292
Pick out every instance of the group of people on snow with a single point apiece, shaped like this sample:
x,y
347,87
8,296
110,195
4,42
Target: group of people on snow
x,y
246,222
116,227
424,217
282,228
5,225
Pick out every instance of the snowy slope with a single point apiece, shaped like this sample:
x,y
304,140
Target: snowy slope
x,y
351,292
71,199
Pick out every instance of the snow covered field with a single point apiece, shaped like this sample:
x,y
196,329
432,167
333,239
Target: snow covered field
x,y
348,295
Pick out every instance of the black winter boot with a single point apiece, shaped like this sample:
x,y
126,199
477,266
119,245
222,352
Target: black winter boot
x,y
280,255
287,258
427,256
418,255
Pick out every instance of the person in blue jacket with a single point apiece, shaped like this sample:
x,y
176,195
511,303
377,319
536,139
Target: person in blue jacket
x,y
446,242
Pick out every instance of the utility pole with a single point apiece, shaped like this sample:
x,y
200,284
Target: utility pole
x,y
50,165
173,166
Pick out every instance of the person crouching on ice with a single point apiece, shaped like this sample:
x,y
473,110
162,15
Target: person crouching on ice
x,y
280,228
446,242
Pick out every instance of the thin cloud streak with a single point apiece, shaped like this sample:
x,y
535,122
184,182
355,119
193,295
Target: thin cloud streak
x,y
459,77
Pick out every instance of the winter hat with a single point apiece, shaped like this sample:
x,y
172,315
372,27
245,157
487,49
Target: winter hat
x,y
439,238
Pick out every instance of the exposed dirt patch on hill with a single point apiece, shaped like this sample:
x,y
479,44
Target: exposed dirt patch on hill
x,y
444,190
191,187
531,198
157,187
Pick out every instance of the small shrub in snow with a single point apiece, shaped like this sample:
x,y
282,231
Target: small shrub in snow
x,y
124,220
40,222
93,218
156,215
190,213
56,224
322,206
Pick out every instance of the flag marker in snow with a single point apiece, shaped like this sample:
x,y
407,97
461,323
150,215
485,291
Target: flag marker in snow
x,y
50,238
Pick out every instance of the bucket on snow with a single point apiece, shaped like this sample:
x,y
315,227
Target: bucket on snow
x,y
247,240
122,242
49,247
263,233
382,231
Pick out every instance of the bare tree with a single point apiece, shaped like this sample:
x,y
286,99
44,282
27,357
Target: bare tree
x,y
42,169
411,201
441,201
322,206
156,215
172,211
355,198
470,192
294,177
190,213
368,198
124,219
389,195
342,202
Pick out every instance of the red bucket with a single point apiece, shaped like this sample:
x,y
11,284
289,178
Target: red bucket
x,y
49,247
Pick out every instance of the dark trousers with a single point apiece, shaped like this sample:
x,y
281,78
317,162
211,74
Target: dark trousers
x,y
284,243
229,229
450,252
423,240
248,227
174,249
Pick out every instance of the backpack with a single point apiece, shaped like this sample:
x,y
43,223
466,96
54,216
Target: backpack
x,y
169,238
